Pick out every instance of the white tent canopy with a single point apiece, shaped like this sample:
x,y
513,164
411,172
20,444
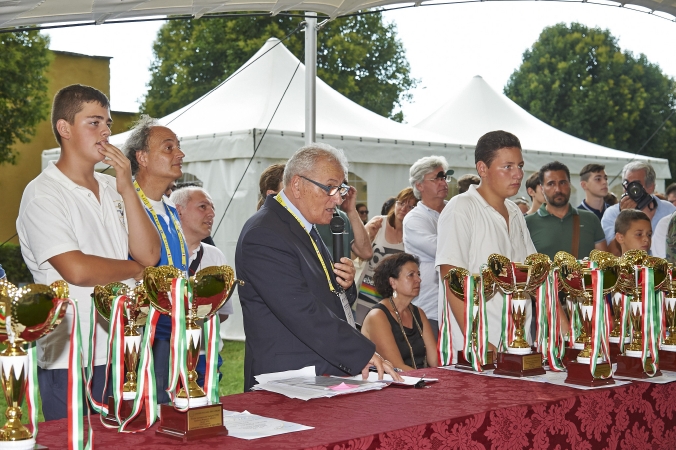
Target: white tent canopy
x,y
220,131
15,13
479,108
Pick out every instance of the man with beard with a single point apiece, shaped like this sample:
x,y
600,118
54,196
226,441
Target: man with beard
x,y
557,225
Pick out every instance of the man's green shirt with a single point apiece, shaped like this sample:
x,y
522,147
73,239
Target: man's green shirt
x,y
551,234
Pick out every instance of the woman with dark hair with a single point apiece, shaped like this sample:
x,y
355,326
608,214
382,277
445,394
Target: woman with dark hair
x,y
400,330
270,182
387,237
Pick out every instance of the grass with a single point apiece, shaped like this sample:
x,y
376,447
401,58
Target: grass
x,y
232,381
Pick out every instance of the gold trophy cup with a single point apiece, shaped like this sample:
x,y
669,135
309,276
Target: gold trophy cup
x,y
455,279
576,279
520,280
629,283
135,314
211,288
26,314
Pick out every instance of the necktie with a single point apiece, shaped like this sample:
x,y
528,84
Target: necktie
x,y
326,256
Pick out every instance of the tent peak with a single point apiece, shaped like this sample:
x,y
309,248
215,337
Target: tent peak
x,y
478,76
273,40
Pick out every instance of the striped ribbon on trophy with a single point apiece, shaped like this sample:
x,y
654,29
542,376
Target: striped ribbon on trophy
x,y
482,322
115,358
145,388
445,340
625,302
661,318
599,323
650,326
507,325
211,338
541,330
32,388
468,347
178,369
556,344
75,400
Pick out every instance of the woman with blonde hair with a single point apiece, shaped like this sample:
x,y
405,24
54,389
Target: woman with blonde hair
x,y
387,237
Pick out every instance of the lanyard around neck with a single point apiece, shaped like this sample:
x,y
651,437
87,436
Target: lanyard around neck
x,y
177,227
279,198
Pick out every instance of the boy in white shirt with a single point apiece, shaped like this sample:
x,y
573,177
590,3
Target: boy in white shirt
x,y
73,225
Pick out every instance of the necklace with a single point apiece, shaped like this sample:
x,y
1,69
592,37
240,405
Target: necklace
x,y
401,325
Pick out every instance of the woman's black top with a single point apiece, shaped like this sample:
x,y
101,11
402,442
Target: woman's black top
x,y
414,337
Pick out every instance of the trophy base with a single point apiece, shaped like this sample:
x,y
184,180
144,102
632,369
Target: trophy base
x,y
632,367
125,411
465,365
519,365
668,348
196,423
667,359
571,355
578,345
23,444
616,340
580,374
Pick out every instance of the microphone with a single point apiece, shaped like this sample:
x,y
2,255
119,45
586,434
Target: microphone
x,y
337,226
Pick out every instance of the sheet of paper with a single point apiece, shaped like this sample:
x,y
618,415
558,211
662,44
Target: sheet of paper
x,y
248,426
304,385
308,371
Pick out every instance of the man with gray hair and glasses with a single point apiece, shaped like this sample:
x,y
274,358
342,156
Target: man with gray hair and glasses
x,y
428,178
639,177
295,299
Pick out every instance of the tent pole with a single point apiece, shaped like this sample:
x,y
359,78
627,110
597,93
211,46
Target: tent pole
x,y
310,77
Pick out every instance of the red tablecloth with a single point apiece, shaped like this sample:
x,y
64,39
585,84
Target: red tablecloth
x,y
461,411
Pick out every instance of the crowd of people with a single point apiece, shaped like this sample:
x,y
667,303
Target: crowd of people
x,y
375,308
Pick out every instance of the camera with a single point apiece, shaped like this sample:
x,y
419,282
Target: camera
x,y
637,193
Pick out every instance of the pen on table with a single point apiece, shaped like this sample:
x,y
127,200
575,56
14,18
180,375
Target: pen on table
x,y
375,369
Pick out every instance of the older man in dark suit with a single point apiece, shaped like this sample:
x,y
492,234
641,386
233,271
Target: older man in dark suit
x,y
295,301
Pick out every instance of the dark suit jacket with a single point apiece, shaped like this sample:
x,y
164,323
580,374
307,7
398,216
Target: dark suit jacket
x,y
291,317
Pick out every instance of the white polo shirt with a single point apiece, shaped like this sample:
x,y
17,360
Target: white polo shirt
x,y
469,230
420,239
58,216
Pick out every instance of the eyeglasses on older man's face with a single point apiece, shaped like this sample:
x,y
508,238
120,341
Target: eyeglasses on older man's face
x,y
330,190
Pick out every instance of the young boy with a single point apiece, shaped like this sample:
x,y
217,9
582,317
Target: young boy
x,y
633,230
73,225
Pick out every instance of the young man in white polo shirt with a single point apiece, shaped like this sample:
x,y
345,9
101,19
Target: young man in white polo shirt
x,y
483,221
73,225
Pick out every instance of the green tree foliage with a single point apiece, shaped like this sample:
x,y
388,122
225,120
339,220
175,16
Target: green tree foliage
x,y
578,80
359,56
24,58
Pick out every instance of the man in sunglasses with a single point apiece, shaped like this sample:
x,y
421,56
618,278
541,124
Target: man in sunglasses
x,y
295,299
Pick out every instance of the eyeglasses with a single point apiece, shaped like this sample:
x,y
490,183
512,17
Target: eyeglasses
x,y
330,190
441,175
363,211
405,206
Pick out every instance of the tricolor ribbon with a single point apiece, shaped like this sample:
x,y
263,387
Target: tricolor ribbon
x,y
555,343
32,388
649,317
212,338
599,324
178,369
625,303
506,329
445,340
75,375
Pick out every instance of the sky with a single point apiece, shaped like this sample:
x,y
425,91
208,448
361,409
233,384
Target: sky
x,y
446,45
